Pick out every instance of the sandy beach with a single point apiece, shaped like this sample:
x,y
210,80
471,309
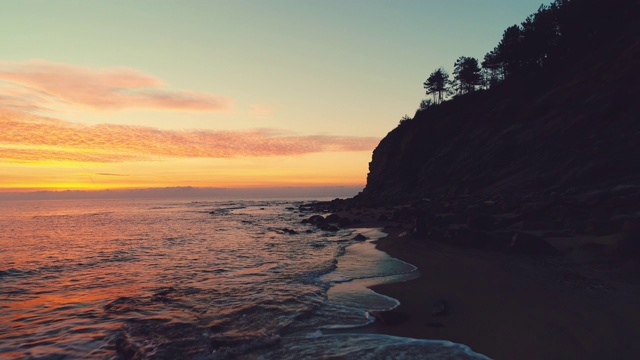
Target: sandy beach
x,y
510,307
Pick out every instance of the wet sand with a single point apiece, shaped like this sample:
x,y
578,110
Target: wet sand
x,y
511,307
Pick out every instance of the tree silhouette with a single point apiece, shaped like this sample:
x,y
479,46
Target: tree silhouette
x,y
555,36
425,104
493,68
540,35
466,74
437,85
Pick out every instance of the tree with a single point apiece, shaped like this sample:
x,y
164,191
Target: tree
x,y
509,50
540,35
493,68
505,59
437,85
404,119
425,104
466,74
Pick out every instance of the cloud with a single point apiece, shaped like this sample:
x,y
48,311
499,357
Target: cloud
x,y
33,138
112,88
104,174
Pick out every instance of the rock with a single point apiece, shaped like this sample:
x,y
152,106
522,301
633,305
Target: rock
x,y
344,222
333,218
327,227
289,231
383,217
316,219
529,244
390,318
440,307
360,237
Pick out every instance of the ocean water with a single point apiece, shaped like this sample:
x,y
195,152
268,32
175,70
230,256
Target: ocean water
x,y
191,279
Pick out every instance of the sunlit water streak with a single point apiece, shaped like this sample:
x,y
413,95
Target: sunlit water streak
x,y
185,279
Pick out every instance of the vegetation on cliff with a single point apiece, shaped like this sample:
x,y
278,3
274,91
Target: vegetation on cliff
x,y
555,109
551,40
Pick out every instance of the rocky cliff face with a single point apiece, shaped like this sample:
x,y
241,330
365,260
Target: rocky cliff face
x,y
573,128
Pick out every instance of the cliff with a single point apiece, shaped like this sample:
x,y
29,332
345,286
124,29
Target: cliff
x,y
571,127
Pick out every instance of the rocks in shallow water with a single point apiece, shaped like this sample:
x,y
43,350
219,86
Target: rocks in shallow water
x,y
327,227
390,318
314,220
289,231
333,218
360,237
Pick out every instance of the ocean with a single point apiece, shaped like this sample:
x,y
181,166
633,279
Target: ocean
x,y
192,279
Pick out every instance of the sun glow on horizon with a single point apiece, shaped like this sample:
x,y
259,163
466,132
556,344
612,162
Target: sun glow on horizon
x,y
50,153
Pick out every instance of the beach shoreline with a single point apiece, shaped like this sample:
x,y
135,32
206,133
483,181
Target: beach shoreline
x,y
506,306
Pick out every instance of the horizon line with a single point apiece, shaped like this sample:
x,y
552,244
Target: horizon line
x,y
183,191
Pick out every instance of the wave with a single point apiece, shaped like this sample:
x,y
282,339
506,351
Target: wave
x,y
369,346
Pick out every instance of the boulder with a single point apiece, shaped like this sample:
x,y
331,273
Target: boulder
x,y
316,219
528,244
327,227
333,218
289,231
360,237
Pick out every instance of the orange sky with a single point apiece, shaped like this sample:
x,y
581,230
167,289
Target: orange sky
x,y
115,94
44,153
40,150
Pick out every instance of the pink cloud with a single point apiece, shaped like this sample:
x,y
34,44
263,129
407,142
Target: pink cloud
x,y
112,88
31,138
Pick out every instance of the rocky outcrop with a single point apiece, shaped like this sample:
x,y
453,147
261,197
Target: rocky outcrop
x,y
575,127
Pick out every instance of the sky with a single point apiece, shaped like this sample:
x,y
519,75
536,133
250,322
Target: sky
x,y
121,94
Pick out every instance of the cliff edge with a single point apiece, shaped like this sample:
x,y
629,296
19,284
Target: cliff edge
x,y
571,127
